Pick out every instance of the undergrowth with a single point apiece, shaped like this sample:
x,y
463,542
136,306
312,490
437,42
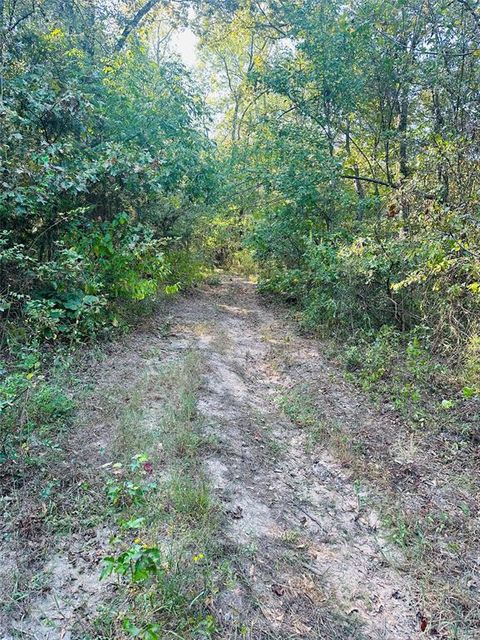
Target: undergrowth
x,y
37,353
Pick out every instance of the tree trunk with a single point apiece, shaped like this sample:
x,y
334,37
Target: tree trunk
x,y
360,192
403,151
402,131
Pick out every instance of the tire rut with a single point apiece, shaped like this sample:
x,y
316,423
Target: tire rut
x,y
313,559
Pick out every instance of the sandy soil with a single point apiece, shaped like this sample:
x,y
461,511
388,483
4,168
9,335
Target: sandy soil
x,y
315,544
312,556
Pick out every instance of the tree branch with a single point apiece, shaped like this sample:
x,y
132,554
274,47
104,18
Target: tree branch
x,y
374,180
133,23
472,11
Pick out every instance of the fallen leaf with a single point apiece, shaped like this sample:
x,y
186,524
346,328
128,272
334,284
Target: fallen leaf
x,y
422,621
278,589
148,466
237,514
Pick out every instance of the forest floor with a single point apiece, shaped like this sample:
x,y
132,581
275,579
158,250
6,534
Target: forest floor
x,y
308,483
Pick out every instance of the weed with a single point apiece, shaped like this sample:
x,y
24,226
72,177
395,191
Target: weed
x,y
139,563
318,434
31,412
276,447
298,406
129,486
405,397
213,280
360,495
189,497
407,533
291,537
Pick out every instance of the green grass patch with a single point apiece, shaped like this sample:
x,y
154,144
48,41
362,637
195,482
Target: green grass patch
x,y
164,553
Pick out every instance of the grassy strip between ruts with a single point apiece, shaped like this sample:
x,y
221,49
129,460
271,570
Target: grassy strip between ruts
x,y
163,551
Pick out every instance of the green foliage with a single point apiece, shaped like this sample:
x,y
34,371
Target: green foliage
x,y
129,486
351,176
407,533
41,410
104,165
373,359
102,156
164,555
49,406
298,406
139,563
190,498
187,269
171,580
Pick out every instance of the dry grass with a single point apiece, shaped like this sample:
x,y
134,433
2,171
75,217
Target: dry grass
x,y
429,509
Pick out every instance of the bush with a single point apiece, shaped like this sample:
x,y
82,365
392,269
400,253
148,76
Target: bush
x,y
419,284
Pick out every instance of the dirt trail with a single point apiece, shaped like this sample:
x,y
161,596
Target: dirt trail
x,y
310,551
316,548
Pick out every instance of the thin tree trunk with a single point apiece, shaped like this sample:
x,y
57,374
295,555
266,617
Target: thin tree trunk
x,y
402,130
360,192
403,151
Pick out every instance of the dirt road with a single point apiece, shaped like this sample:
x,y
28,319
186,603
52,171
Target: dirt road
x,y
309,552
320,558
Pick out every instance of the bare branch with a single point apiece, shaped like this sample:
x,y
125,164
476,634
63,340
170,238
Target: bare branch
x,y
374,180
